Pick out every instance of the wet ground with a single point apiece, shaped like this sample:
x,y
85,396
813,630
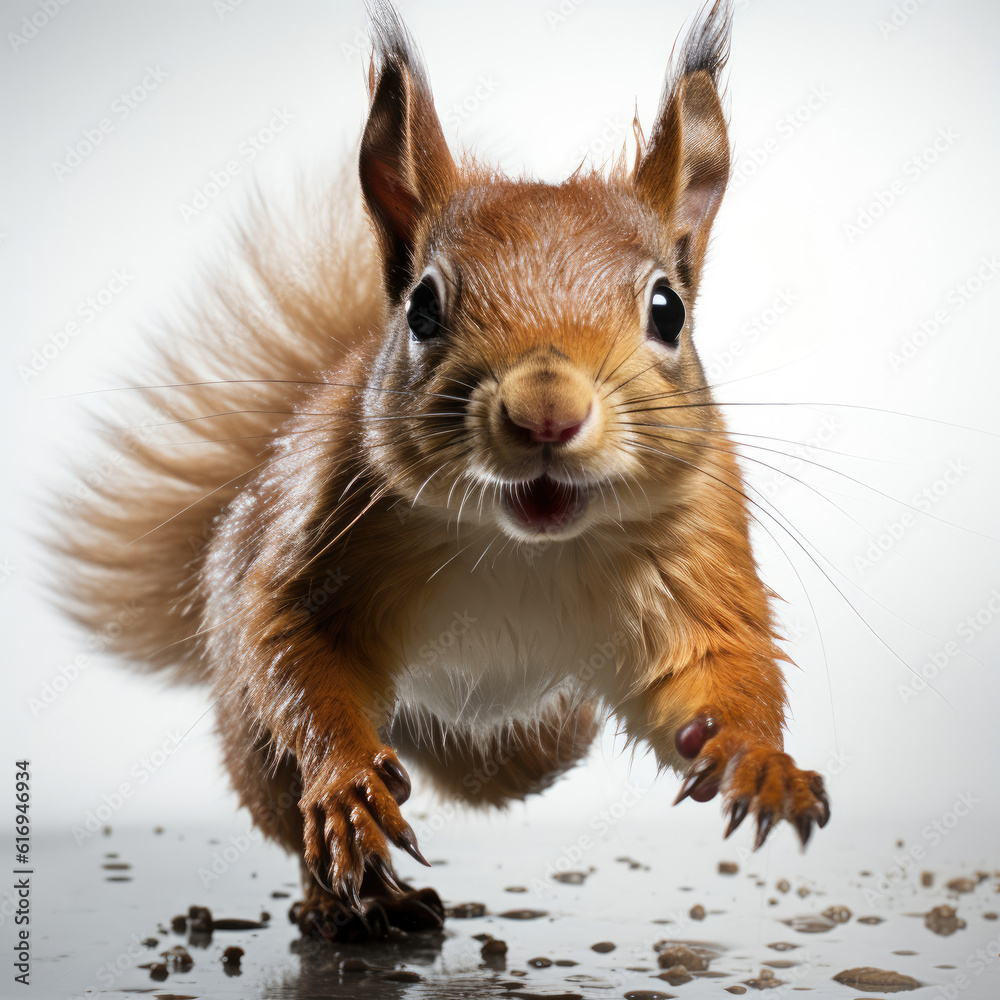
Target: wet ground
x,y
577,916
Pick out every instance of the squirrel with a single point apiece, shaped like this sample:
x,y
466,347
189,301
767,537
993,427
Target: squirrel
x,y
459,493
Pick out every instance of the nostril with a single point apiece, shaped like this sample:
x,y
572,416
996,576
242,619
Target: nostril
x,y
567,433
547,430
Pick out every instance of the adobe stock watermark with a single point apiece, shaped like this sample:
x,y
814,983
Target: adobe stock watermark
x,y
836,764
956,300
938,660
88,310
599,825
976,962
604,145
795,630
223,8
434,650
885,198
563,12
485,88
121,107
333,580
924,500
10,906
428,827
931,835
750,162
108,974
107,466
898,16
264,308
32,24
827,432
224,859
474,780
750,333
97,818
602,657
247,151
360,43
68,673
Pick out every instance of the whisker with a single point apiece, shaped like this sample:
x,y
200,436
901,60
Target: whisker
x,y
227,413
483,556
773,468
458,432
210,493
711,386
262,381
820,465
410,416
728,433
815,406
816,563
627,357
461,506
416,497
622,385
450,559
377,495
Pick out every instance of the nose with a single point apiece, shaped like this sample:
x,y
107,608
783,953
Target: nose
x,y
546,399
551,428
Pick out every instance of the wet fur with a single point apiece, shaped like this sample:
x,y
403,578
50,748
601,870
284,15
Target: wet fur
x,y
330,508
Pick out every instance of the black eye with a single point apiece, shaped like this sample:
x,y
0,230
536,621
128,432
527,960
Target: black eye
x,y
423,311
666,314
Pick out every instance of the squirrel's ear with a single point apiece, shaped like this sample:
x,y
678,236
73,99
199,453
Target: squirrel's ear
x,y
683,170
406,168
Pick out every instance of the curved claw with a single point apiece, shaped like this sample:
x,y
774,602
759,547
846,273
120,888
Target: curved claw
x,y
803,826
395,779
818,788
737,813
407,840
824,802
698,776
350,891
765,823
385,873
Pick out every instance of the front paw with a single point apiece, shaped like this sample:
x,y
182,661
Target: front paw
x,y
388,906
752,777
350,811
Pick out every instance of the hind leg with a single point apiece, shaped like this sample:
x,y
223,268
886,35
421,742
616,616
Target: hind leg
x,y
515,761
271,790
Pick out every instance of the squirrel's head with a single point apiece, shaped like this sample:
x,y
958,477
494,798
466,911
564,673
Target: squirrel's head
x,y
538,371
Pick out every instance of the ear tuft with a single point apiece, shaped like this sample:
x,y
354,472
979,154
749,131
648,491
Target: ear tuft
x,y
683,169
706,46
406,169
393,45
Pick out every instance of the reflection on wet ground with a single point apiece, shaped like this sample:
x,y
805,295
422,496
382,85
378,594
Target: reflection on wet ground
x,y
527,922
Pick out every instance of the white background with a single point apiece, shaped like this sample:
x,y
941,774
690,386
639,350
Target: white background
x,y
551,87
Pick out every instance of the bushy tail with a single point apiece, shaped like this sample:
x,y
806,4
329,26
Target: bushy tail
x,y
131,546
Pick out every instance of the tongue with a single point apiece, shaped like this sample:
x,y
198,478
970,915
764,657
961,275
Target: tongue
x,y
544,502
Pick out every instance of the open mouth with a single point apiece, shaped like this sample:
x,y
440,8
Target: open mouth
x,y
543,504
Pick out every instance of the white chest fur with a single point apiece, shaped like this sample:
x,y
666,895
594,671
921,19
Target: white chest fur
x,y
494,641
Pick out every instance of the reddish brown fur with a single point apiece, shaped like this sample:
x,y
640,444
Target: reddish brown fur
x,y
545,300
